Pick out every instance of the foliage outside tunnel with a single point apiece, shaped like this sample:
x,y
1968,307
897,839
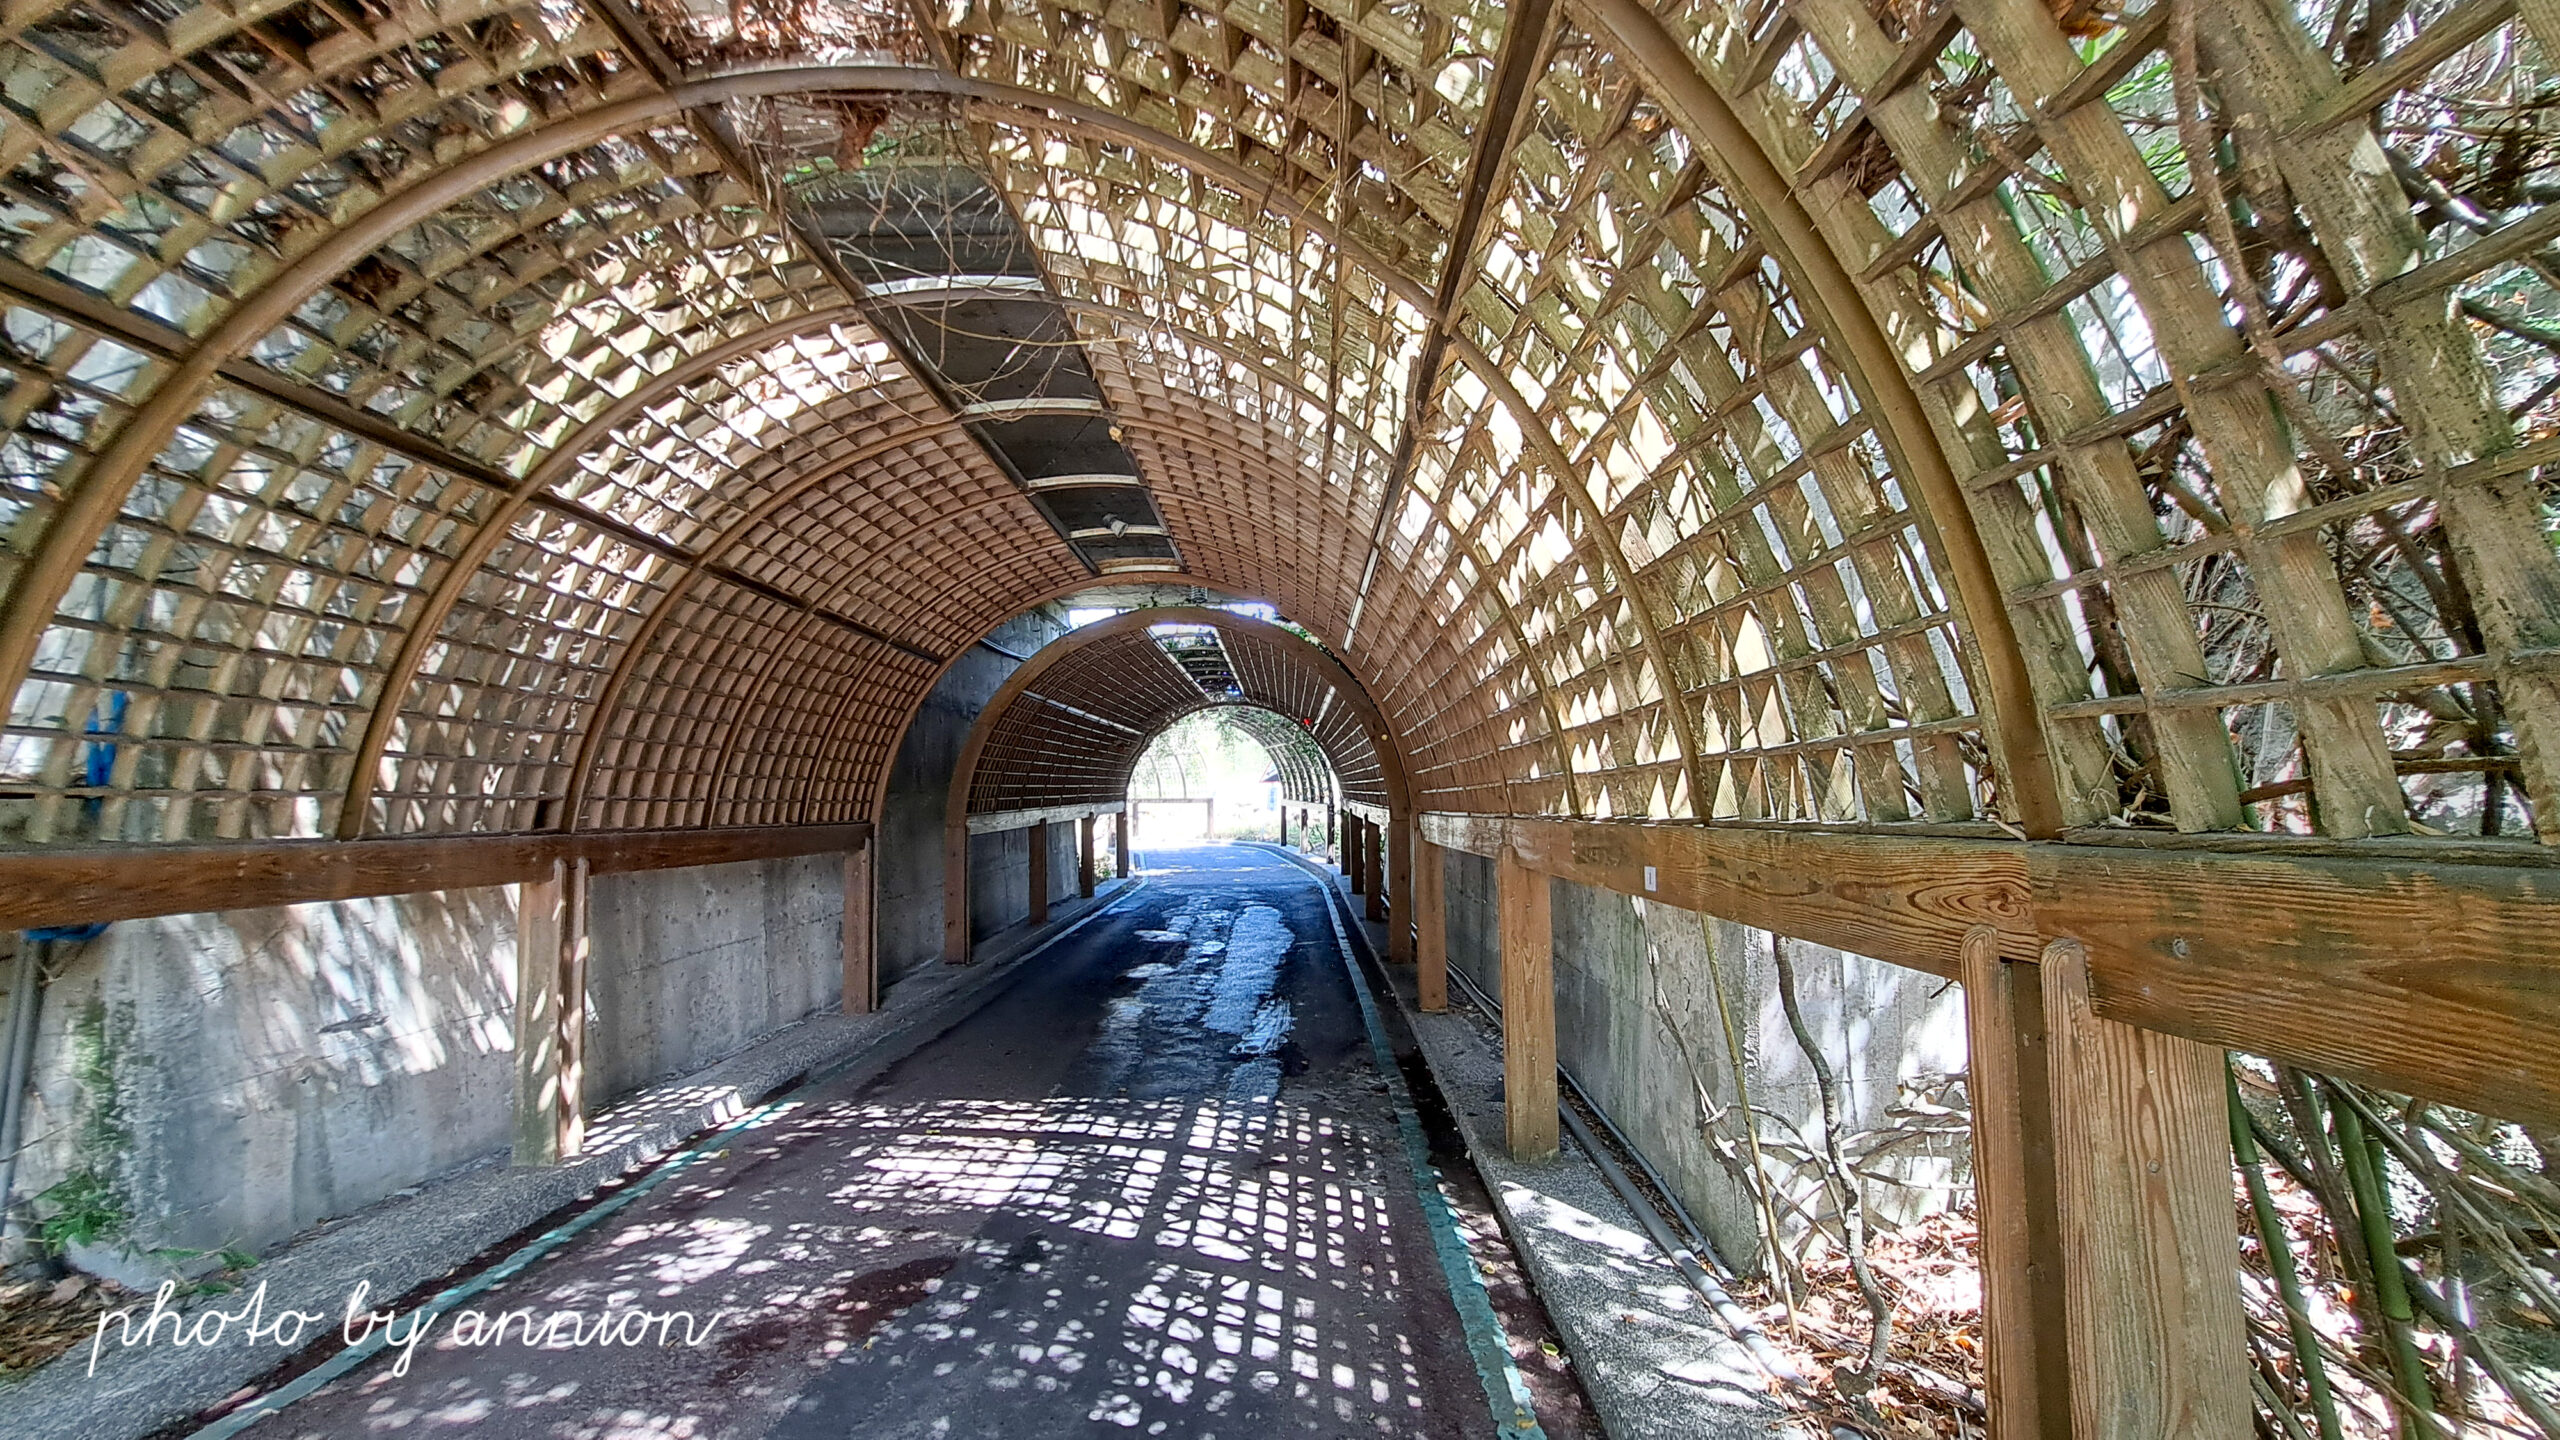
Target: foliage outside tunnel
x,y
2399,1262
2402,1261
1815,1089
1227,784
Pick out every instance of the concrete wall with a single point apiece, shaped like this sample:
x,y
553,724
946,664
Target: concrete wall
x,y
233,1079
688,966
1000,876
999,883
237,1077
1639,1024
909,869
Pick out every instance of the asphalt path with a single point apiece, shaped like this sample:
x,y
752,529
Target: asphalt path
x,y
1154,1187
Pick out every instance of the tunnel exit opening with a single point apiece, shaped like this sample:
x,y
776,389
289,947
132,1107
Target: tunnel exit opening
x,y
1071,740
1230,772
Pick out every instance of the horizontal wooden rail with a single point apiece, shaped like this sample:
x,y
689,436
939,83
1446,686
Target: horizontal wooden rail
x,y
2435,979
79,885
991,822
1905,900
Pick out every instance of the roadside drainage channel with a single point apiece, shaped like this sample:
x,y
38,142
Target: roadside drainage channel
x,y
1655,1359
457,1223
1505,1391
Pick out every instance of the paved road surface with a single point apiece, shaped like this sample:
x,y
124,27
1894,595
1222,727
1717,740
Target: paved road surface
x,y
1154,1188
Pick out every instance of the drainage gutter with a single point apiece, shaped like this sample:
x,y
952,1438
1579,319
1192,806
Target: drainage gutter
x,y
1683,1255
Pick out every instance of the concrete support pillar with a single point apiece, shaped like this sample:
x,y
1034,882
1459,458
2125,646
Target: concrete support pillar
x,y
1120,864
1040,873
1373,845
1430,927
1528,1010
2026,1358
1084,857
861,956
2142,1169
551,1015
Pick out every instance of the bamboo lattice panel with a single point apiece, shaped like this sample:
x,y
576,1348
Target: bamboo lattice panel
x,y
1841,413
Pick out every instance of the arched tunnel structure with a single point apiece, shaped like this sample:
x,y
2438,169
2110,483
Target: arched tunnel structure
x,y
2051,496
1059,739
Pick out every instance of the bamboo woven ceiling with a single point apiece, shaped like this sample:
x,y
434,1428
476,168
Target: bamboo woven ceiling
x,y
492,417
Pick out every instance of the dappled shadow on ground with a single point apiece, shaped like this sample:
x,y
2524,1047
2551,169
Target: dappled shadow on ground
x,y
972,1267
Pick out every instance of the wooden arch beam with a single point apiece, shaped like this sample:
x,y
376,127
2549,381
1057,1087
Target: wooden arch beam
x,y
1290,748
38,587
424,629
915,706
1560,751
727,540
1327,667
1598,535
36,591
20,634
955,856
582,770
1127,764
1562,755
2005,698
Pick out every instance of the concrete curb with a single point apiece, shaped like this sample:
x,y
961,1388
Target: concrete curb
x,y
1653,1359
429,1232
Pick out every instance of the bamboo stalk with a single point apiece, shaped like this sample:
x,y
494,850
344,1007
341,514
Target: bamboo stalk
x,y
1782,1265
2451,1193
2279,1247
2361,1157
2495,1366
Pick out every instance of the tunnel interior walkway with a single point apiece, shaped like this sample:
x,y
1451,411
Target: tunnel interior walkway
x,y
1155,1186
544,542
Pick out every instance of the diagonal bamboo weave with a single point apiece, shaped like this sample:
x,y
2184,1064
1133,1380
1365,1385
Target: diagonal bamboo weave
x,y
454,419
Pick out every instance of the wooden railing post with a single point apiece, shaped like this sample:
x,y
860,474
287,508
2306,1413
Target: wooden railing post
x,y
1040,872
1332,847
551,1015
1430,928
1355,848
1084,857
1528,1010
573,1012
955,892
538,1016
1120,865
2027,1382
1399,888
1373,847
2150,1238
861,955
